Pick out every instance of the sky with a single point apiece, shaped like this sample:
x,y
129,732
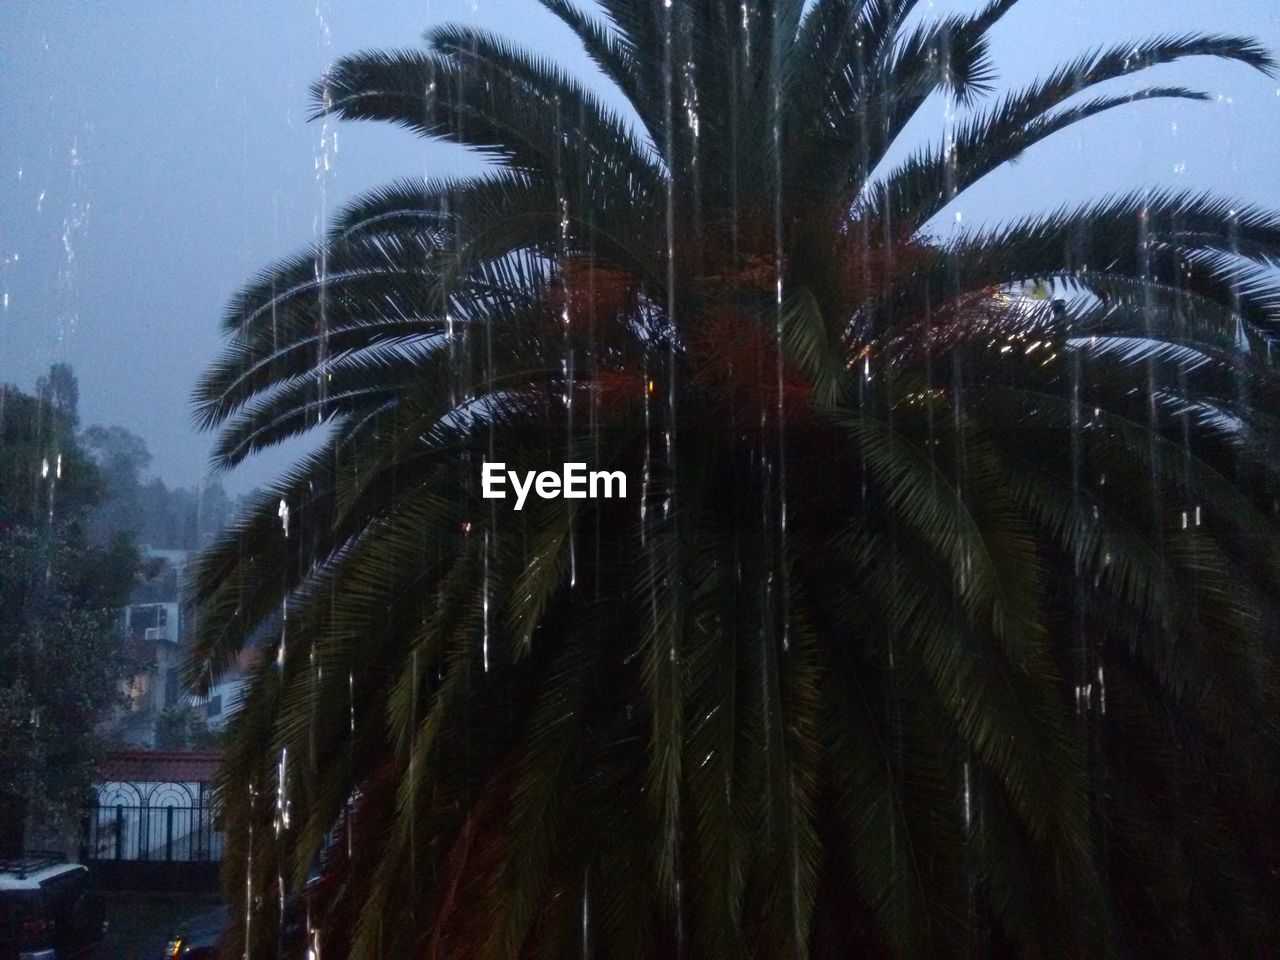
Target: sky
x,y
155,155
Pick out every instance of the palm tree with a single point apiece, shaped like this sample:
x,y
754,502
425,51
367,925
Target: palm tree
x,y
939,618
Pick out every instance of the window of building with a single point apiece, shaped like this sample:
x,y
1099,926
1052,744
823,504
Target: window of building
x,y
172,686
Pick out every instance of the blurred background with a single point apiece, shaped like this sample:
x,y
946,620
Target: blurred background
x,y
155,156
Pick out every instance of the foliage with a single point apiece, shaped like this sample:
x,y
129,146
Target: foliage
x,y
61,657
60,390
180,728
940,619
157,515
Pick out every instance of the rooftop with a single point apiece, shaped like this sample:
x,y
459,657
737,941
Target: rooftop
x,y
160,766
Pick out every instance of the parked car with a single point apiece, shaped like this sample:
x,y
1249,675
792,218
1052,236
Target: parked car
x,y
197,937
48,909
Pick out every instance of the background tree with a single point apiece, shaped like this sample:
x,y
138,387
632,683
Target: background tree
x,y
122,457
940,619
59,390
61,655
179,728
156,515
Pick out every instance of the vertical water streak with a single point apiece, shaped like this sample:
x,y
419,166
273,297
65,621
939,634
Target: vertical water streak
x,y
567,372
669,136
248,879
484,643
586,913
779,199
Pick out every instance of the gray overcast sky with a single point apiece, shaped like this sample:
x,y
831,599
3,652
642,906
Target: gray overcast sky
x,y
154,155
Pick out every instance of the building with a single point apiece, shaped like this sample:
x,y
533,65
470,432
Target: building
x,y
223,699
153,635
154,627
161,710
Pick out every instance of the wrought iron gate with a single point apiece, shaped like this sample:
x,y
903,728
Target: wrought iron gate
x,y
153,836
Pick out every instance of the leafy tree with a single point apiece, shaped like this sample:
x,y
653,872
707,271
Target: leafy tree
x,y
156,515
61,656
179,728
939,618
60,390
121,457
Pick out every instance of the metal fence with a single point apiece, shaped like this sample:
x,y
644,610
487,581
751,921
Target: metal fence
x,y
163,834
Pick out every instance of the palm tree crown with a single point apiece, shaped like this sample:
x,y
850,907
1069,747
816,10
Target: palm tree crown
x,y
939,619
